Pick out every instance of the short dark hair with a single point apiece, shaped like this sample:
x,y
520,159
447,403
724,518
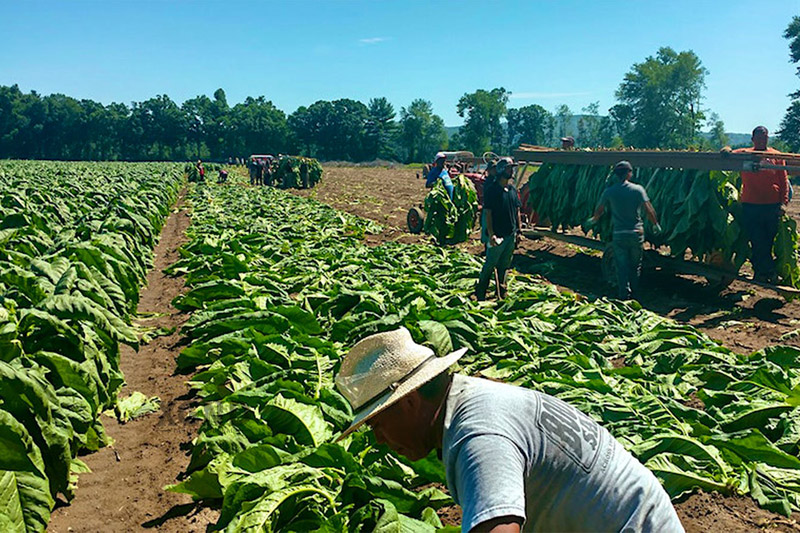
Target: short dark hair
x,y
435,387
760,129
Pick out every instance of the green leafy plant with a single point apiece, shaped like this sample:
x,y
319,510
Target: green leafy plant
x,y
278,298
76,243
451,221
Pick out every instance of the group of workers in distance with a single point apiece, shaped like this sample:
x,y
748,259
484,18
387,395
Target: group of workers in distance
x,y
262,170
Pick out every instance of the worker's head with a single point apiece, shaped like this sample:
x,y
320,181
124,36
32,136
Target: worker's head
x,y
568,142
491,168
760,138
398,387
439,159
505,168
623,170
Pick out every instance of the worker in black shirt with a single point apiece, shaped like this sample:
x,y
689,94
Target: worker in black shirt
x,y
501,204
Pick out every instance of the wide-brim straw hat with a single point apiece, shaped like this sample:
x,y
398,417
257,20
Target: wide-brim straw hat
x,y
382,368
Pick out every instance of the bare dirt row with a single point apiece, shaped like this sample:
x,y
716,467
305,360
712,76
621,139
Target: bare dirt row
x,y
124,492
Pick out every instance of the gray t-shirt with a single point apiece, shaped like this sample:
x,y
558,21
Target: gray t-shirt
x,y
510,451
625,199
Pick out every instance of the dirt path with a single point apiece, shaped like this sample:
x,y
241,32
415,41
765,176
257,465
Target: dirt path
x,y
124,491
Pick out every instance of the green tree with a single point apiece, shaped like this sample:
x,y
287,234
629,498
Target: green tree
x,y
422,133
592,127
790,125
563,122
381,129
483,111
332,130
256,126
663,96
718,138
531,124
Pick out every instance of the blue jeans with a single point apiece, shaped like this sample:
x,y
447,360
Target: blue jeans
x,y
628,259
761,225
497,257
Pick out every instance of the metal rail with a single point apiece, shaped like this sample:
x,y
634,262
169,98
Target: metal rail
x,y
750,161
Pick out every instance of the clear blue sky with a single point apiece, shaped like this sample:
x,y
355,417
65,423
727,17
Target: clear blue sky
x,y
296,52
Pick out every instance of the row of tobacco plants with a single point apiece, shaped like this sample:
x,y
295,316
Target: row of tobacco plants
x,y
282,286
76,243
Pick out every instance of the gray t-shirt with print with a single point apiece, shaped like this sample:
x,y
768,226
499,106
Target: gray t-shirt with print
x,y
625,199
510,451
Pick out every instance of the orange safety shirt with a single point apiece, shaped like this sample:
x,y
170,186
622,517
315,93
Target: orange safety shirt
x,y
764,186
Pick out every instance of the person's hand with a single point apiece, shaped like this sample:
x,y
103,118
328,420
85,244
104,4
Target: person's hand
x,y
725,150
657,229
518,238
494,240
782,210
588,224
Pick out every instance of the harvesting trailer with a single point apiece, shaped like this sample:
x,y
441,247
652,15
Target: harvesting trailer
x,y
715,269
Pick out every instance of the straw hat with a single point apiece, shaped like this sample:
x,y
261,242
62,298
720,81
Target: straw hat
x,y
382,368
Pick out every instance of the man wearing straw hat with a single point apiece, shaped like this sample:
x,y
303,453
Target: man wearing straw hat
x,y
516,459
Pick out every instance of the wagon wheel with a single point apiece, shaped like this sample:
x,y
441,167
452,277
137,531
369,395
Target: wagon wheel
x,y
415,220
608,267
726,277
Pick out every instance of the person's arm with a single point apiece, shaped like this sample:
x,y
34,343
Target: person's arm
x,y
501,524
489,226
784,188
490,484
488,204
651,213
601,209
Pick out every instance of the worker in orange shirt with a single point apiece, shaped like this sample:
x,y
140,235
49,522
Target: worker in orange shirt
x,y
764,197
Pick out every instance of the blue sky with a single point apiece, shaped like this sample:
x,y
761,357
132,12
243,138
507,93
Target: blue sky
x,y
296,52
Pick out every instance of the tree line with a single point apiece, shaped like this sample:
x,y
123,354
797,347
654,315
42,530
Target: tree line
x,y
659,105
790,126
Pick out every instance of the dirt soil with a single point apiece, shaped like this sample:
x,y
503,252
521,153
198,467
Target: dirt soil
x,y
124,490
743,317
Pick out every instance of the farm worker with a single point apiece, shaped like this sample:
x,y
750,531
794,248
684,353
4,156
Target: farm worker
x,y
515,459
201,171
625,199
223,176
764,197
253,168
439,172
501,205
268,173
489,176
568,142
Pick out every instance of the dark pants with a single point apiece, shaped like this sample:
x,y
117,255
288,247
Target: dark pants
x,y
497,257
628,259
761,225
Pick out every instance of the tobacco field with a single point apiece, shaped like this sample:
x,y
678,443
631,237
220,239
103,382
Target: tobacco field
x,y
282,286
75,245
